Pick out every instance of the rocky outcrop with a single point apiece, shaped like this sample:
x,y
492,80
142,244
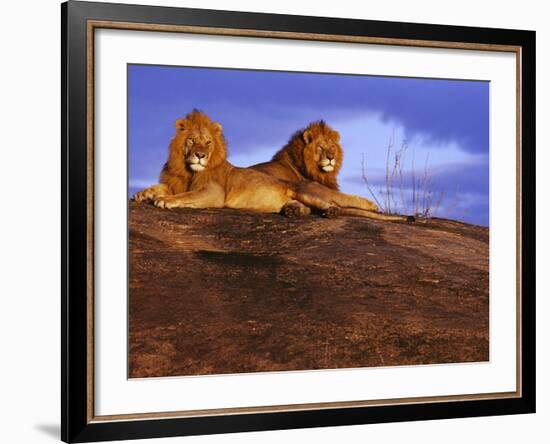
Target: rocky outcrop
x,y
224,291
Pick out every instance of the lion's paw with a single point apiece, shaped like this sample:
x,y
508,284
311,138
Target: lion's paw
x,y
294,211
332,212
165,202
141,196
147,194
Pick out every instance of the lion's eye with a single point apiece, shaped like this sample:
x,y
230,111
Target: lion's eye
x,y
190,142
208,142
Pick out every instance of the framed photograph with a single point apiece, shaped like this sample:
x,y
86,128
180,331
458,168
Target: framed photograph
x,y
275,221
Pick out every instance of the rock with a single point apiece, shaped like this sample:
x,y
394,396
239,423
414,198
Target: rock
x,y
226,291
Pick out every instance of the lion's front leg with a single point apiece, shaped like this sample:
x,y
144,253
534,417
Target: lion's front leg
x,y
211,196
152,193
327,209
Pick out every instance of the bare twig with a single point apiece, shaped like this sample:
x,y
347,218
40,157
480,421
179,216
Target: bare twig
x,y
438,204
413,174
401,181
388,179
363,172
424,187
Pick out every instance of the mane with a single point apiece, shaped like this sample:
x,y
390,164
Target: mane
x,y
294,153
175,172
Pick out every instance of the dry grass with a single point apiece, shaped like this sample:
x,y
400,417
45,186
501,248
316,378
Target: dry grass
x,y
396,196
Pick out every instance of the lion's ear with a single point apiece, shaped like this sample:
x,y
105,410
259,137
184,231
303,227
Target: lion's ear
x,y
217,127
181,124
335,136
308,137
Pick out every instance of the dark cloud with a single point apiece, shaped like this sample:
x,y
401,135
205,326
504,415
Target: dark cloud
x,y
271,105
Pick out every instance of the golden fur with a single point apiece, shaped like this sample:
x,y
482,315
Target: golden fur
x,y
197,175
307,154
303,161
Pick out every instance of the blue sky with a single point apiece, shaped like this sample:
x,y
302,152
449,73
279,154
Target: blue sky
x,y
444,125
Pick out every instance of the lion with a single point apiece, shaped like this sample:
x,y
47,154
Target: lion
x,y
311,160
198,175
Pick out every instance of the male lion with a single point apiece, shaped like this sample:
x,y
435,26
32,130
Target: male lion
x,y
197,175
311,160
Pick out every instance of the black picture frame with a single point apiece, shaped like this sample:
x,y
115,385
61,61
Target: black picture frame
x,y
76,424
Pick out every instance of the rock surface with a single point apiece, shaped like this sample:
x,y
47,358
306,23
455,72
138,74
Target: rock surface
x,y
224,291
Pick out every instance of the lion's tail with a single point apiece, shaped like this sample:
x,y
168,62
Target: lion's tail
x,y
374,215
315,202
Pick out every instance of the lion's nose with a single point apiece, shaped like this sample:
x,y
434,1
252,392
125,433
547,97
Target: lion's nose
x,y
200,154
330,156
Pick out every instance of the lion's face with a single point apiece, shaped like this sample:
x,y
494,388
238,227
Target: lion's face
x,y
327,156
198,149
199,142
322,150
